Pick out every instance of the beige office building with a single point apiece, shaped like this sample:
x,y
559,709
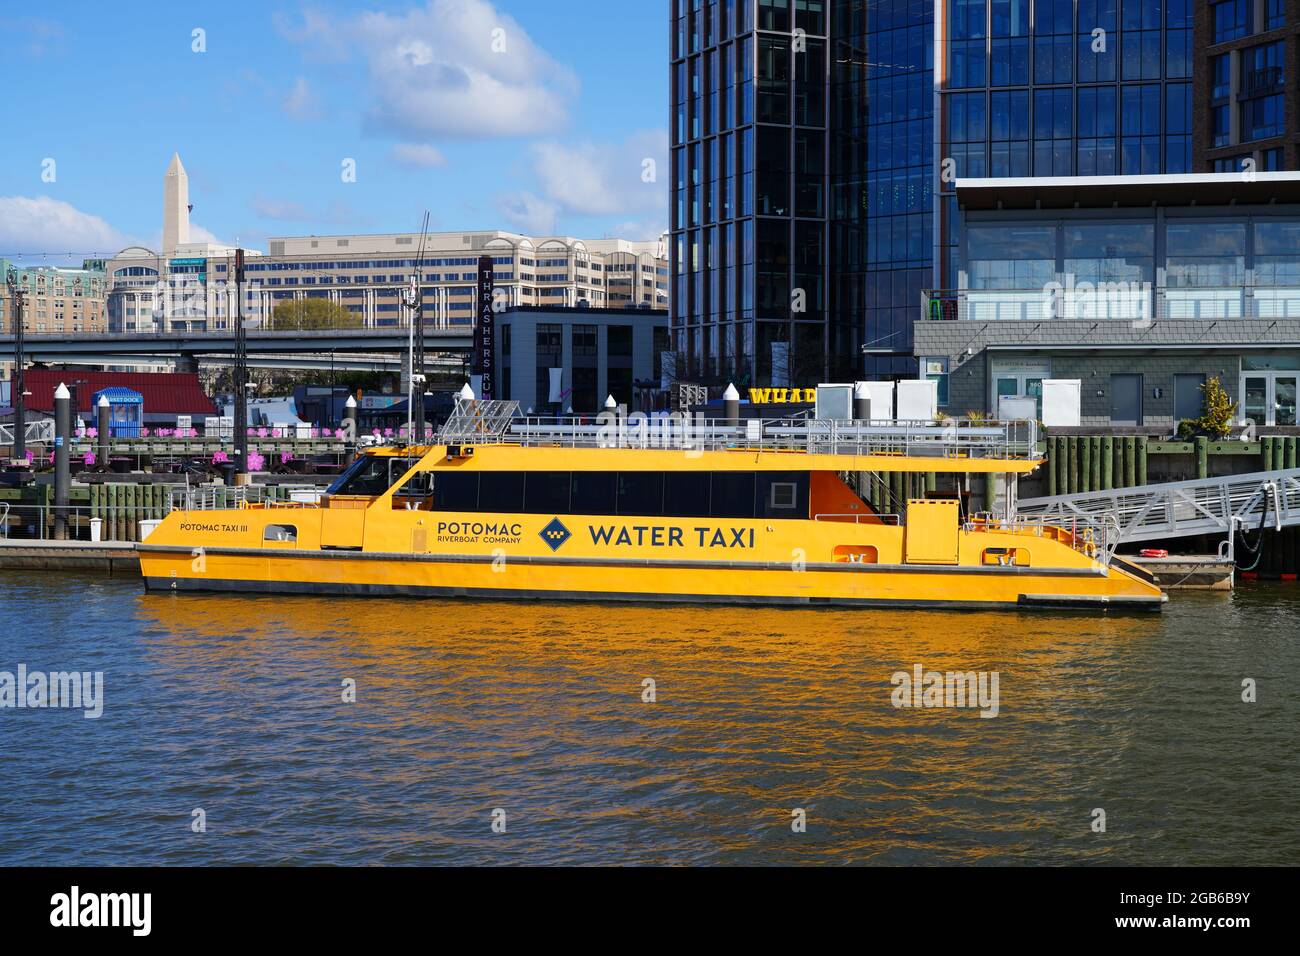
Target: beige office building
x,y
190,285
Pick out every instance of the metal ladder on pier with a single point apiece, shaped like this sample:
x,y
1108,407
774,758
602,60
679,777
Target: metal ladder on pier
x,y
1178,509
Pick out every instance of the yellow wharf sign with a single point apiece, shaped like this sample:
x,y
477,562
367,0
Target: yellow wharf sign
x,y
782,396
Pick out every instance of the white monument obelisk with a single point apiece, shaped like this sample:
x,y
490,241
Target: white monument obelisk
x,y
176,206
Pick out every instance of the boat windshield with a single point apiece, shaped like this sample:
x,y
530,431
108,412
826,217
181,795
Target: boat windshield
x,y
370,475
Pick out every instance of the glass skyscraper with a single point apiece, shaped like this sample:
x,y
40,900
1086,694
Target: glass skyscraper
x,y
817,144
1060,88
754,147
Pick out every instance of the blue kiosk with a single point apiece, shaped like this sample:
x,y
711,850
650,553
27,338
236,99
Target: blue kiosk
x,y
125,410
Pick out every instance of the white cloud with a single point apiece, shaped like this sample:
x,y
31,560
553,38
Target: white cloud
x,y
418,155
199,234
454,68
301,102
528,214
42,224
626,179
288,210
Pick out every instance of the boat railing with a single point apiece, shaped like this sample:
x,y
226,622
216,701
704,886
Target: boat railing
x,y
216,497
955,438
1094,537
859,518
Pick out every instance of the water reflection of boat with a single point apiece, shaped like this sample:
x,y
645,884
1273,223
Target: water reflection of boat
x,y
753,512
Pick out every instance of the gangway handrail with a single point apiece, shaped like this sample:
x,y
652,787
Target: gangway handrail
x,y
1183,508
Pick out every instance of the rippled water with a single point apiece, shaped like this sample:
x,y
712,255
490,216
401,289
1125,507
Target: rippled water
x,y
233,705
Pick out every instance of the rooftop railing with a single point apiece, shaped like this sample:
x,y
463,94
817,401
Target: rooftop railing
x,y
500,423
1121,301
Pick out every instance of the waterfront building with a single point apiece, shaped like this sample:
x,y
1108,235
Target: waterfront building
x,y
1139,287
758,129
1246,94
369,275
910,96
190,285
164,395
598,352
56,298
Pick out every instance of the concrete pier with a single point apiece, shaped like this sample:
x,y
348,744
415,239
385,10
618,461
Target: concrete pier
x,y
105,557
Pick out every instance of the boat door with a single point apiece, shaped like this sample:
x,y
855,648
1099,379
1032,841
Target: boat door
x,y
343,523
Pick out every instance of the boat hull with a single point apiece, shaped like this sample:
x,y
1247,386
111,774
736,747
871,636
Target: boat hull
x,y
546,577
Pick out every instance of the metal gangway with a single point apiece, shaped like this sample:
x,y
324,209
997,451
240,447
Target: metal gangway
x,y
499,422
38,432
1178,509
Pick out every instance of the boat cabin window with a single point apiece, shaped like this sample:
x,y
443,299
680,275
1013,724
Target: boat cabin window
x,y
733,494
370,475
416,494
686,494
783,496
455,491
280,532
501,491
594,490
551,494
641,492
647,494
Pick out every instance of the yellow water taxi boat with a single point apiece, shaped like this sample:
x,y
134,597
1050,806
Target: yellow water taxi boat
x,y
679,510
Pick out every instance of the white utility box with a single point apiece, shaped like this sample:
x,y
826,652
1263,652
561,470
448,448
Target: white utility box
x,y
1062,402
917,400
835,401
882,400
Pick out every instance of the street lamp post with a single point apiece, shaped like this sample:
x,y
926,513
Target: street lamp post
x,y
17,379
241,372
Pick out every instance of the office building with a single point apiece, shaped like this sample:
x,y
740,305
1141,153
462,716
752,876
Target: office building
x,y
595,352
57,299
190,285
824,140
1246,94
1139,287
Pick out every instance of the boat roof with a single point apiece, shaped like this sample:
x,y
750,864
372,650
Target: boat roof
x,y
493,435
514,457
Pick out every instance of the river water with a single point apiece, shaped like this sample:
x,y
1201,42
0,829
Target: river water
x,y
233,706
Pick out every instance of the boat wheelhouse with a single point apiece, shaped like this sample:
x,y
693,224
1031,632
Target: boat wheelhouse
x,y
663,509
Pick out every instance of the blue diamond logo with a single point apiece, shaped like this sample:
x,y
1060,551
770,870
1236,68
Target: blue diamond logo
x,y
555,534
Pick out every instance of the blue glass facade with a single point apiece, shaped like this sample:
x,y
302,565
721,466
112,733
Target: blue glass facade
x,y
900,177
817,144
1062,88
756,167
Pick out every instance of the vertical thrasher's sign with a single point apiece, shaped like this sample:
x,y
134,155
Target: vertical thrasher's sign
x,y
485,346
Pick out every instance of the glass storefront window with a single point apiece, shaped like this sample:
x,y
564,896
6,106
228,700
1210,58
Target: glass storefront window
x,y
1206,254
1277,253
1010,257
1110,252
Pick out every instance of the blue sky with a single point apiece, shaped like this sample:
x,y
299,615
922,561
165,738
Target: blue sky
x,y
528,115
